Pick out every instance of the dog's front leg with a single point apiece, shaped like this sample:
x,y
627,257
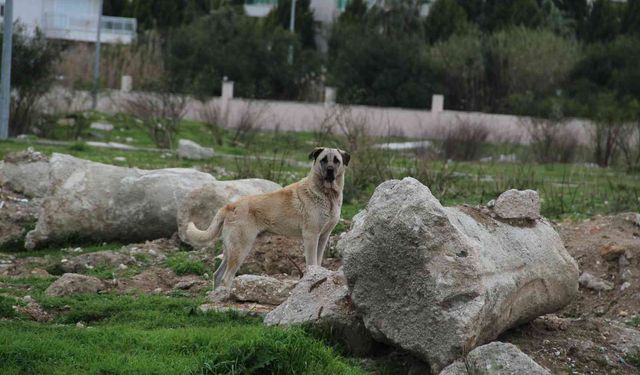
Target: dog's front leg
x,y
322,245
310,243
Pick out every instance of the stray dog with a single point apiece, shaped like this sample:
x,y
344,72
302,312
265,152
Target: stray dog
x,y
309,208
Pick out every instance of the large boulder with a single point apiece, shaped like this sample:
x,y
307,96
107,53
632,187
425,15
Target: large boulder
x,y
103,202
495,358
26,172
439,281
73,283
201,204
191,150
261,289
321,299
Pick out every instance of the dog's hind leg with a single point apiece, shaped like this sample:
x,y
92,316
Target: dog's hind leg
x,y
217,276
238,244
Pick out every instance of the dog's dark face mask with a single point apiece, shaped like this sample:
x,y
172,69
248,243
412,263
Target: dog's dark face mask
x,y
329,163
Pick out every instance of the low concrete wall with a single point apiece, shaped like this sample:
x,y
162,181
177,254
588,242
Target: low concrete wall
x,y
300,116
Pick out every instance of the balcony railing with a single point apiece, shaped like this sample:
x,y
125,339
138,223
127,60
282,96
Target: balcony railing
x,y
86,24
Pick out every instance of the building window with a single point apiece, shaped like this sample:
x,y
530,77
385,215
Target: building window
x,y
2,10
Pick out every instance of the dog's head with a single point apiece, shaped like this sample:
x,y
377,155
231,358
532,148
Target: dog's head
x,y
329,163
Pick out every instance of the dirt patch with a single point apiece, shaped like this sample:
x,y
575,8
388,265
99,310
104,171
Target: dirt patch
x,y
151,280
590,243
159,246
579,346
596,333
33,310
278,255
160,280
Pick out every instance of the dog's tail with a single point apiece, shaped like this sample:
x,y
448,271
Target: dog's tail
x,y
198,236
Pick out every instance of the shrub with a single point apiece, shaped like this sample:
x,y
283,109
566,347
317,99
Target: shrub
x,y
462,140
275,167
32,75
609,118
214,119
370,165
438,176
249,121
326,130
159,112
629,142
550,140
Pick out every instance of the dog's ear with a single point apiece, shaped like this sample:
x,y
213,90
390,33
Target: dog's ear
x,y
314,154
345,157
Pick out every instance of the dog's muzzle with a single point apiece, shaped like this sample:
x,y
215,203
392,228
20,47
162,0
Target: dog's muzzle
x,y
330,175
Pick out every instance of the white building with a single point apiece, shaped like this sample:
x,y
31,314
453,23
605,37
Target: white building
x,y
74,20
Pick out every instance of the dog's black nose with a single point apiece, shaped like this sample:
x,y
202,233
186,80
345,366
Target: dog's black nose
x,y
330,174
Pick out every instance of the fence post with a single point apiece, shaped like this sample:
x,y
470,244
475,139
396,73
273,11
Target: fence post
x,y
329,96
126,83
227,95
437,103
227,89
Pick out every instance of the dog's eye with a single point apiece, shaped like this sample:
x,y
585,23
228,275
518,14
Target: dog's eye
x,y
336,160
324,159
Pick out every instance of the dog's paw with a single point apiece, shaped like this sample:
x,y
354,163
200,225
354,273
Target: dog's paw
x,y
221,294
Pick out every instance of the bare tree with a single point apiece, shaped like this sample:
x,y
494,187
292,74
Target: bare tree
x,y
250,121
327,127
160,114
462,139
214,118
629,145
551,141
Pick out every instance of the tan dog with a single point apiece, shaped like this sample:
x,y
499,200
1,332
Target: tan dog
x,y
309,208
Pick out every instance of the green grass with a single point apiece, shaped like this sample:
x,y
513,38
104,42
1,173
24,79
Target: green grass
x,y
181,264
634,321
29,348
21,286
156,335
633,359
6,306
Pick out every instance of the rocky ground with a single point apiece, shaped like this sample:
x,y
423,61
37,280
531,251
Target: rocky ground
x,y
593,335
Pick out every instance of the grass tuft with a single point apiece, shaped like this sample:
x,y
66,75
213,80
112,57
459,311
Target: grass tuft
x,y
181,264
